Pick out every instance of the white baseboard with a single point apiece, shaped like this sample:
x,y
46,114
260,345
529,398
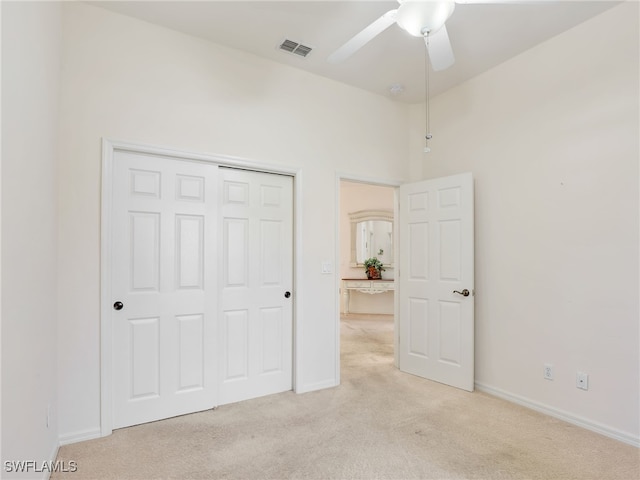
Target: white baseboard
x,y
81,436
561,415
52,459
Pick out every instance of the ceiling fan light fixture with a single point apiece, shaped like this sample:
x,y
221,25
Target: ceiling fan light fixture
x,y
421,17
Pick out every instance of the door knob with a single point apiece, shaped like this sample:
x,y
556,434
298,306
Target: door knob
x,y
464,293
118,305
287,294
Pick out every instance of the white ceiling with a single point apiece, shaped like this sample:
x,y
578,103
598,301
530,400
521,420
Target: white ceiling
x,y
482,35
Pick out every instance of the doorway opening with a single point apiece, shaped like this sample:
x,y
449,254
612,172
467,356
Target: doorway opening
x,y
433,282
367,306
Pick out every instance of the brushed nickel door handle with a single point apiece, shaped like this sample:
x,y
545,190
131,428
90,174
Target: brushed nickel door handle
x,y
464,293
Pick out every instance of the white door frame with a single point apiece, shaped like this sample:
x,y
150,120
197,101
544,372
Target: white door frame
x,y
395,184
109,147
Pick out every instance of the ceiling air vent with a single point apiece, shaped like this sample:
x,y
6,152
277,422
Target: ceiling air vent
x,y
295,48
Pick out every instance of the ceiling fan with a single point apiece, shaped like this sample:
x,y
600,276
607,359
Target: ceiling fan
x,y
419,18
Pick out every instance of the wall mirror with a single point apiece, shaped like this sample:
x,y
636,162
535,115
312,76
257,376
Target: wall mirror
x,y
372,236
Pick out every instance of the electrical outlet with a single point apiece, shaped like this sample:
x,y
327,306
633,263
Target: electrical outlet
x,y
548,371
582,381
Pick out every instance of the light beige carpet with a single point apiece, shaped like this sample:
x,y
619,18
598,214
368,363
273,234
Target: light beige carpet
x,y
378,424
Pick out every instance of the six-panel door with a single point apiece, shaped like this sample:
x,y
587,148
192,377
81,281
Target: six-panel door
x,y
436,260
201,262
164,238
256,266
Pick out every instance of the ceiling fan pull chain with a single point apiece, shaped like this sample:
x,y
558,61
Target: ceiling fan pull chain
x,y
428,135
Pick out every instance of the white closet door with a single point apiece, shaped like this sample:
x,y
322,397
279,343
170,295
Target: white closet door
x,y
163,273
256,267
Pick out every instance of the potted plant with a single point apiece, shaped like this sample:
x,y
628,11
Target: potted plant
x,y
373,267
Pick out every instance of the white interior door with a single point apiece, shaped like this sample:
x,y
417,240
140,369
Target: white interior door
x,y
436,261
256,315
164,223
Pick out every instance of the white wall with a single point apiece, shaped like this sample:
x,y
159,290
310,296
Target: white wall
x,y
551,137
353,198
30,82
129,80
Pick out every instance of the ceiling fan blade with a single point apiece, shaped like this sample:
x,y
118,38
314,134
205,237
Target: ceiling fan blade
x,y
363,37
440,51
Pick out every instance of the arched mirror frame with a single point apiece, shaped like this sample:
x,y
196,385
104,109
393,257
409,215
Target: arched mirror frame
x,y
363,216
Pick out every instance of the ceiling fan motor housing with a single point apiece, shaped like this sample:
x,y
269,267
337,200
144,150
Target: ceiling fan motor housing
x,y
421,17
